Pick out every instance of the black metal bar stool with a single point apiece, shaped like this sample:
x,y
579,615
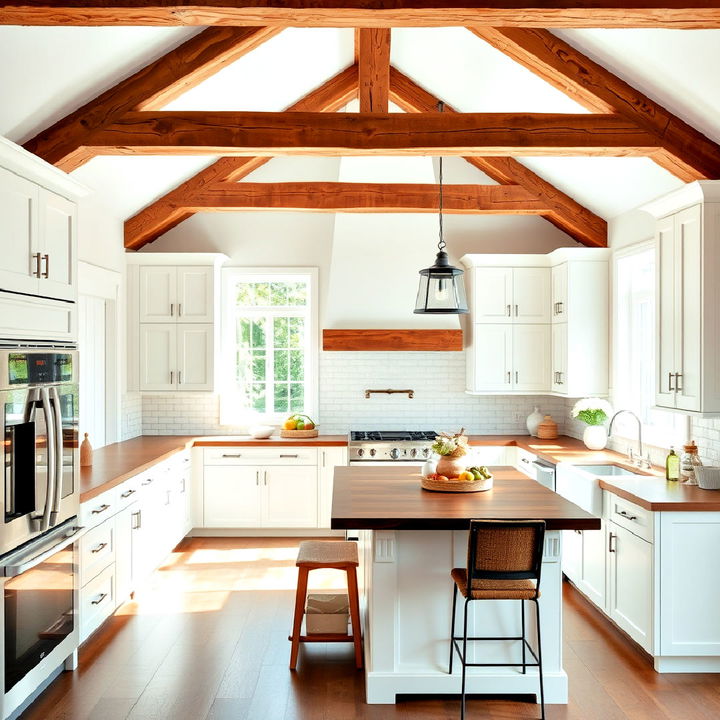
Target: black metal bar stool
x,y
504,563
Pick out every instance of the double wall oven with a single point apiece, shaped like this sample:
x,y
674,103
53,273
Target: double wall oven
x,y
38,511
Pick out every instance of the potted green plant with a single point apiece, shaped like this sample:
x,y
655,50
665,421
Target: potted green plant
x,y
594,412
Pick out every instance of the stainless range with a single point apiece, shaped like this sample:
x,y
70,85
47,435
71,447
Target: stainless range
x,y
385,447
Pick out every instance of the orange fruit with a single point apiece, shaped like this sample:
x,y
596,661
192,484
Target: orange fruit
x,y
441,478
290,424
309,425
467,476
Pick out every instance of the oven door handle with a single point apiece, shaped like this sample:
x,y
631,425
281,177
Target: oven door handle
x,y
26,562
44,519
57,419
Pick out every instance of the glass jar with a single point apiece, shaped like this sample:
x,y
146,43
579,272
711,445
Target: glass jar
x,y
688,462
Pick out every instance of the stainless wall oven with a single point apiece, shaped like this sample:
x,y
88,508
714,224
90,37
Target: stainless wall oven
x,y
40,457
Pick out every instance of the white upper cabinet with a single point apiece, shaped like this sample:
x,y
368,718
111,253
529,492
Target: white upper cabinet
x,y
158,294
158,353
510,295
176,294
195,294
195,357
38,227
687,240
551,318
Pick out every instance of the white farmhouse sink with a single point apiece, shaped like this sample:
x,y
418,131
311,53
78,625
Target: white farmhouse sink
x,y
605,470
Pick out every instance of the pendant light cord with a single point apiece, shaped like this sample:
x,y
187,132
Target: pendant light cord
x,y
441,242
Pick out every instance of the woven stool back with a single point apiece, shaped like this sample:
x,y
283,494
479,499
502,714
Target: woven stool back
x,y
505,550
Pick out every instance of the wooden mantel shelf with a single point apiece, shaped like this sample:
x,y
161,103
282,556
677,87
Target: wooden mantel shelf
x,y
398,340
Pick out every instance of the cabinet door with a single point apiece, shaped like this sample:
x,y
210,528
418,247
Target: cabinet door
x,y
158,294
195,294
125,522
329,459
231,496
20,256
559,282
631,567
58,239
531,295
665,322
290,496
492,348
493,289
158,357
688,308
531,358
195,357
593,575
559,357
572,554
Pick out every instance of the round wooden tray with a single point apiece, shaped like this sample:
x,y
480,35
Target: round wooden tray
x,y
299,433
456,486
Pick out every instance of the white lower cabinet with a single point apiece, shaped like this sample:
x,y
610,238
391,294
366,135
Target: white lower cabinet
x,y
572,554
631,590
290,497
231,496
97,601
328,459
593,566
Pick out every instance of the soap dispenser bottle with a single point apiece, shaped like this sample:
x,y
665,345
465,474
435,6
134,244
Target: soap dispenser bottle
x,y
672,466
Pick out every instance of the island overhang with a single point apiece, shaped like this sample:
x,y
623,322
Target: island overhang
x,y
391,498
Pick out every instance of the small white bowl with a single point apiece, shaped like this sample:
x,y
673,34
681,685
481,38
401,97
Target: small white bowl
x,y
261,432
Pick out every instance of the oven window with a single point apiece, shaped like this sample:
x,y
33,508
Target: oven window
x,y
38,614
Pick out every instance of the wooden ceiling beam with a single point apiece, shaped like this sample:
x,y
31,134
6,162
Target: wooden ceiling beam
x,y
351,197
374,69
369,13
337,134
160,82
170,210
565,213
684,151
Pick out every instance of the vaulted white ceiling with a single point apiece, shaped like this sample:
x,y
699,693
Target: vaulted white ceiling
x,y
46,73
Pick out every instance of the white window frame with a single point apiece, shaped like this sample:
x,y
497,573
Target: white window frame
x,y
671,430
230,411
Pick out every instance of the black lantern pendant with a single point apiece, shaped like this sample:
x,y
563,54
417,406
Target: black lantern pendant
x,y
442,289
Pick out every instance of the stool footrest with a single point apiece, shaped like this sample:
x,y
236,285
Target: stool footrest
x,y
325,637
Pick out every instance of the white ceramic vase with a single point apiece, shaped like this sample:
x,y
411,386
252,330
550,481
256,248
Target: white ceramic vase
x,y
595,437
533,420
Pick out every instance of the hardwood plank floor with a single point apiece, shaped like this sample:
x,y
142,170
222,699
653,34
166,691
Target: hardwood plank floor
x,y
206,639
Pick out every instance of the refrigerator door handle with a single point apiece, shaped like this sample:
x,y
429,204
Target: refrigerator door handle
x,y
43,521
57,419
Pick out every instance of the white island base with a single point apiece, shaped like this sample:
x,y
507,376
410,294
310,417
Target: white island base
x,y
407,604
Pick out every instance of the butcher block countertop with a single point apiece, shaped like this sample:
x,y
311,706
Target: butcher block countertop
x,y
390,498
113,464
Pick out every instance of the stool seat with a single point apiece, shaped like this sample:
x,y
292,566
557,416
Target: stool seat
x,y
327,554
495,589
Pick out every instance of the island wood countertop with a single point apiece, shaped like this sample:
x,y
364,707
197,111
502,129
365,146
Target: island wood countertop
x,y
113,464
390,498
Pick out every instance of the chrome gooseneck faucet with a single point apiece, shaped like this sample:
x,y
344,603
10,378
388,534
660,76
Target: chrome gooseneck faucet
x,y
639,437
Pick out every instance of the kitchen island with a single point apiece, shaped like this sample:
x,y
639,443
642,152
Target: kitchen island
x,y
409,540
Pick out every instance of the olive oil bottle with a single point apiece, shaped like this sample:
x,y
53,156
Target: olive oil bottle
x,y
672,466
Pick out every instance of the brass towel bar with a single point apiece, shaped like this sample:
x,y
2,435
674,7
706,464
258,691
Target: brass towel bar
x,y
410,393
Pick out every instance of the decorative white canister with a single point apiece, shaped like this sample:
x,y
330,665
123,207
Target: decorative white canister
x,y
533,420
595,437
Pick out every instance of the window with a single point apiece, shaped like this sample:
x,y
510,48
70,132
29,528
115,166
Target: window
x,y
270,343
634,349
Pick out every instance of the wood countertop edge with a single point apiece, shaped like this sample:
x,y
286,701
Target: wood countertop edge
x,y
664,506
446,524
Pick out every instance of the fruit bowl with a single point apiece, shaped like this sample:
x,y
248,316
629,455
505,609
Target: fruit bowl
x,y
433,483
294,427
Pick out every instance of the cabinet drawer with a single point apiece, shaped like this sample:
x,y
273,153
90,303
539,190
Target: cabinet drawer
x,y
127,493
97,510
28,318
629,515
97,550
260,456
97,601
524,463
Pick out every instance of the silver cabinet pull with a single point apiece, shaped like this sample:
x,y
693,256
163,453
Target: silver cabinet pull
x,y
508,374
516,311
627,515
184,488
517,376
677,382
289,456
508,311
560,381
231,455
100,547
179,377
137,515
100,599
36,271
323,458
611,546
559,308
670,377
257,478
101,509
172,377
127,494
525,460
172,310
179,309
167,502
265,477
579,532
46,258
147,482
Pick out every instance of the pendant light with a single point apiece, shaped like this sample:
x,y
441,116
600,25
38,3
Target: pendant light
x,y
441,290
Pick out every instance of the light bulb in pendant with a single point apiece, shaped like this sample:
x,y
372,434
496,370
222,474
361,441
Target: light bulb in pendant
x,y
441,291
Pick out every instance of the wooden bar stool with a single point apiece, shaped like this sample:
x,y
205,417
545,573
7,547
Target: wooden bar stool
x,y
504,563
313,555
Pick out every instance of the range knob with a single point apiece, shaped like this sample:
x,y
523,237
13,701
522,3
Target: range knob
x,y
394,453
360,452
372,452
426,452
413,452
